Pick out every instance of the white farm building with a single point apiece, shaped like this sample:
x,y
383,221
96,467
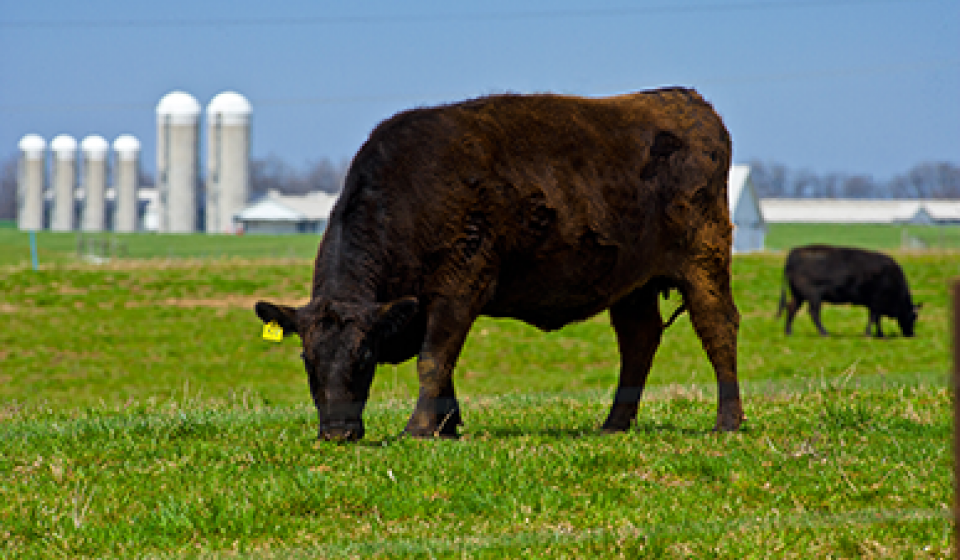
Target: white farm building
x,y
749,226
856,211
277,213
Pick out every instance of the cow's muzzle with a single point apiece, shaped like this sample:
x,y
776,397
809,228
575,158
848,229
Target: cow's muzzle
x,y
341,432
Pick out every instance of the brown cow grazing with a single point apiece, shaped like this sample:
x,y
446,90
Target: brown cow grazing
x,y
822,273
544,208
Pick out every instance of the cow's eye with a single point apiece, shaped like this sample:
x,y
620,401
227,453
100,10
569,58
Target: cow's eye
x,y
365,357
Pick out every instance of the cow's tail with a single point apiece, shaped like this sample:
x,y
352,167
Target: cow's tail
x,y
665,292
676,313
783,296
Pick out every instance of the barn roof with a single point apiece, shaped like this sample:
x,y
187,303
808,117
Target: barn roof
x,y
286,208
742,197
801,210
736,181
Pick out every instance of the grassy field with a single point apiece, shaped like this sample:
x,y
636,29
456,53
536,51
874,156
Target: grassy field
x,y
63,248
141,414
870,236
66,248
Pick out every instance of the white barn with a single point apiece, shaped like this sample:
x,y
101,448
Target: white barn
x,y
749,226
859,211
277,213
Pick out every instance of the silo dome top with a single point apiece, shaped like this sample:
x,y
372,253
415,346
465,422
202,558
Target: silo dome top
x,y
180,107
32,146
231,107
95,147
65,146
126,146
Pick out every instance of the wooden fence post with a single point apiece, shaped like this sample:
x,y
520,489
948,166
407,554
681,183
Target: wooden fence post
x,y
956,418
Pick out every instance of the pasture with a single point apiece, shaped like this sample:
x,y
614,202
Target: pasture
x,y
142,414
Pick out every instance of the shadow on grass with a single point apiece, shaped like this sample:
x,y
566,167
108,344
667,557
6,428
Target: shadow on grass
x,y
844,336
561,433
671,428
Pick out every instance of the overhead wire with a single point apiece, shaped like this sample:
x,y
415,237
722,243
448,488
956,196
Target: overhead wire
x,y
474,17
598,89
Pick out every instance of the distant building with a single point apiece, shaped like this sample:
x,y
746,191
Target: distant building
x,y
749,225
147,209
277,213
856,211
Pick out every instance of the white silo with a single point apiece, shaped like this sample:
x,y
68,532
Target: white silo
x,y
126,179
94,149
30,179
178,161
64,182
228,160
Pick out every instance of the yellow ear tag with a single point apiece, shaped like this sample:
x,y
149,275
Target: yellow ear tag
x,y
273,331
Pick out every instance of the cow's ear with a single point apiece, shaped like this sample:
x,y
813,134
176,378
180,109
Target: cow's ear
x,y
392,317
283,315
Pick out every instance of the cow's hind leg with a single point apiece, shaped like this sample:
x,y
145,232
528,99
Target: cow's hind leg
x,y
716,321
874,319
793,306
637,322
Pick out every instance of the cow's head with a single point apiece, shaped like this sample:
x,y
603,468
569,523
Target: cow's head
x,y
341,342
908,319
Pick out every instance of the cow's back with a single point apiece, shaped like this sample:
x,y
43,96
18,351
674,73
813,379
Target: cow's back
x,y
848,275
572,201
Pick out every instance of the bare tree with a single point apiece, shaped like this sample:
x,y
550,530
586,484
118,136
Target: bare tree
x,y
924,180
272,173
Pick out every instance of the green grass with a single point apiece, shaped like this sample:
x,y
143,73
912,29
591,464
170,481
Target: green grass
x,y
81,334
66,248
141,413
823,468
869,236
62,248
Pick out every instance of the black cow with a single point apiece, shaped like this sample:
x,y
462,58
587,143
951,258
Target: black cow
x,y
545,208
821,273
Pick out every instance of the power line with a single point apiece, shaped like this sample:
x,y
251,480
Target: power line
x,y
438,97
442,18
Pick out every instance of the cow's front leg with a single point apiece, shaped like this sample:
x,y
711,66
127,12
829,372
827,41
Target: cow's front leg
x,y
317,393
437,412
814,308
792,307
637,322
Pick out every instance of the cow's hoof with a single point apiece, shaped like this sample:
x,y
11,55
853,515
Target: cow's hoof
x,y
425,426
431,434
727,424
615,427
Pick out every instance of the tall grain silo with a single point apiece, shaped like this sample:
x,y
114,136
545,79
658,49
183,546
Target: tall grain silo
x,y
228,160
126,179
30,179
178,161
94,149
64,150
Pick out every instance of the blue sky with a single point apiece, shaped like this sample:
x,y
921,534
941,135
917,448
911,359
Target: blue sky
x,y
852,86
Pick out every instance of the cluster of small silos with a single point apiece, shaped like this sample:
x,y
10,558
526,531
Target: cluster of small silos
x,y
61,214
178,197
